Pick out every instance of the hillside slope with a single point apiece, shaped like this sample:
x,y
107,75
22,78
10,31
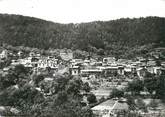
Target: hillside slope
x,y
117,37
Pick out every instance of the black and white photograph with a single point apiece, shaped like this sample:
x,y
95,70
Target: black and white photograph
x,y
82,58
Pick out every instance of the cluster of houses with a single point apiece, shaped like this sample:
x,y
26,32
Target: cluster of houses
x,y
107,67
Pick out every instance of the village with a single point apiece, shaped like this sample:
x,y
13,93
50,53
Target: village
x,y
102,75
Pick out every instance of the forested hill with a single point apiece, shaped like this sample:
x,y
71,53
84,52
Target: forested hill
x,y
115,37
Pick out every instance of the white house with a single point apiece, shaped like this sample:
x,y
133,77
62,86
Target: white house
x,y
20,53
66,56
130,69
76,61
44,63
141,72
88,72
4,54
75,70
109,60
114,70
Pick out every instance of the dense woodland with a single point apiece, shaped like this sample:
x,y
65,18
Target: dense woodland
x,y
123,37
18,89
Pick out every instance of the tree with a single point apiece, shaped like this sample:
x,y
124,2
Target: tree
x,y
5,63
131,103
102,99
18,75
61,98
116,93
135,86
86,87
80,54
65,101
86,112
21,74
23,99
100,52
153,104
7,81
151,85
158,63
45,87
20,69
91,98
141,104
37,79
74,86
61,81
161,88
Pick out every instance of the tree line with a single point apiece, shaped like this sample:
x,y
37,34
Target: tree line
x,y
123,37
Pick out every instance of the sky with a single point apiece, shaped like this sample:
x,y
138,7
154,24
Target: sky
x,y
77,11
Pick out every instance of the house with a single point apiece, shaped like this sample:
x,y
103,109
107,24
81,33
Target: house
x,y
15,62
32,54
6,69
150,69
114,70
120,108
66,56
157,70
76,61
34,61
20,53
44,63
25,61
141,72
109,60
87,72
28,62
110,108
8,109
28,65
104,108
38,54
141,59
151,63
120,70
129,69
4,54
93,61
99,63
163,63
63,71
86,62
74,70
122,61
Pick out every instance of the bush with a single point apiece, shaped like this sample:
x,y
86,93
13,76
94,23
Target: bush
x,y
116,93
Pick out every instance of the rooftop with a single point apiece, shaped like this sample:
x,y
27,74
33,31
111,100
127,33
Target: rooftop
x,y
107,105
